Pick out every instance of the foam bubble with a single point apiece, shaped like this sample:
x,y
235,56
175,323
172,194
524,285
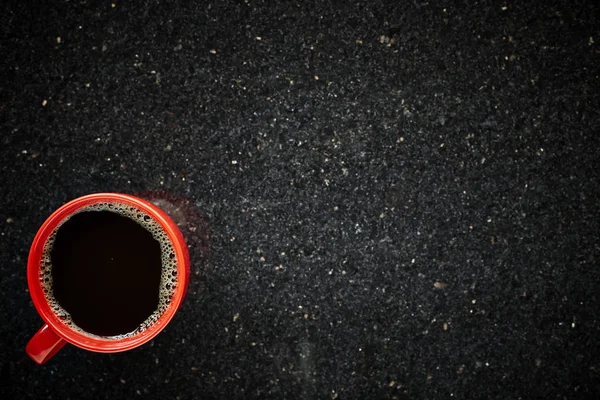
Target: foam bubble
x,y
169,266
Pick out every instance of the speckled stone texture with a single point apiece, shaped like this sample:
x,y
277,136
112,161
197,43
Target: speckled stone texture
x,y
399,200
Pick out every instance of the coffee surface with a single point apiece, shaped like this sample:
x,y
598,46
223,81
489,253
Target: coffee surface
x,y
106,272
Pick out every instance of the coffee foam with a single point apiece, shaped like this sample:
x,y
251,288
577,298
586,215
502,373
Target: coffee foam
x,y
168,279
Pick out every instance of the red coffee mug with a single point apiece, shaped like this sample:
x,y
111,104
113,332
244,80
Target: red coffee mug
x,y
55,333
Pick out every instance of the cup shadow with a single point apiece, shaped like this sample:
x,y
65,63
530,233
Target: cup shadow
x,y
195,228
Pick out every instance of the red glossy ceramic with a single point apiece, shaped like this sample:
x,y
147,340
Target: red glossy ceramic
x,y
55,334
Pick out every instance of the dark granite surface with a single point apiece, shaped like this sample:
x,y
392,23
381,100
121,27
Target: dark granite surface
x,y
394,200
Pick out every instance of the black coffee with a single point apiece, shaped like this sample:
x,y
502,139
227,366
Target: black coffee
x,y
108,271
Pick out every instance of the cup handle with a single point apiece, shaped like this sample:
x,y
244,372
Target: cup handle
x,y
44,345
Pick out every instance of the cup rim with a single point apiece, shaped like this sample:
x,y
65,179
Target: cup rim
x,y
76,338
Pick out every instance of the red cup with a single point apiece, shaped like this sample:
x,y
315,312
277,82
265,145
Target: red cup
x,y
55,333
